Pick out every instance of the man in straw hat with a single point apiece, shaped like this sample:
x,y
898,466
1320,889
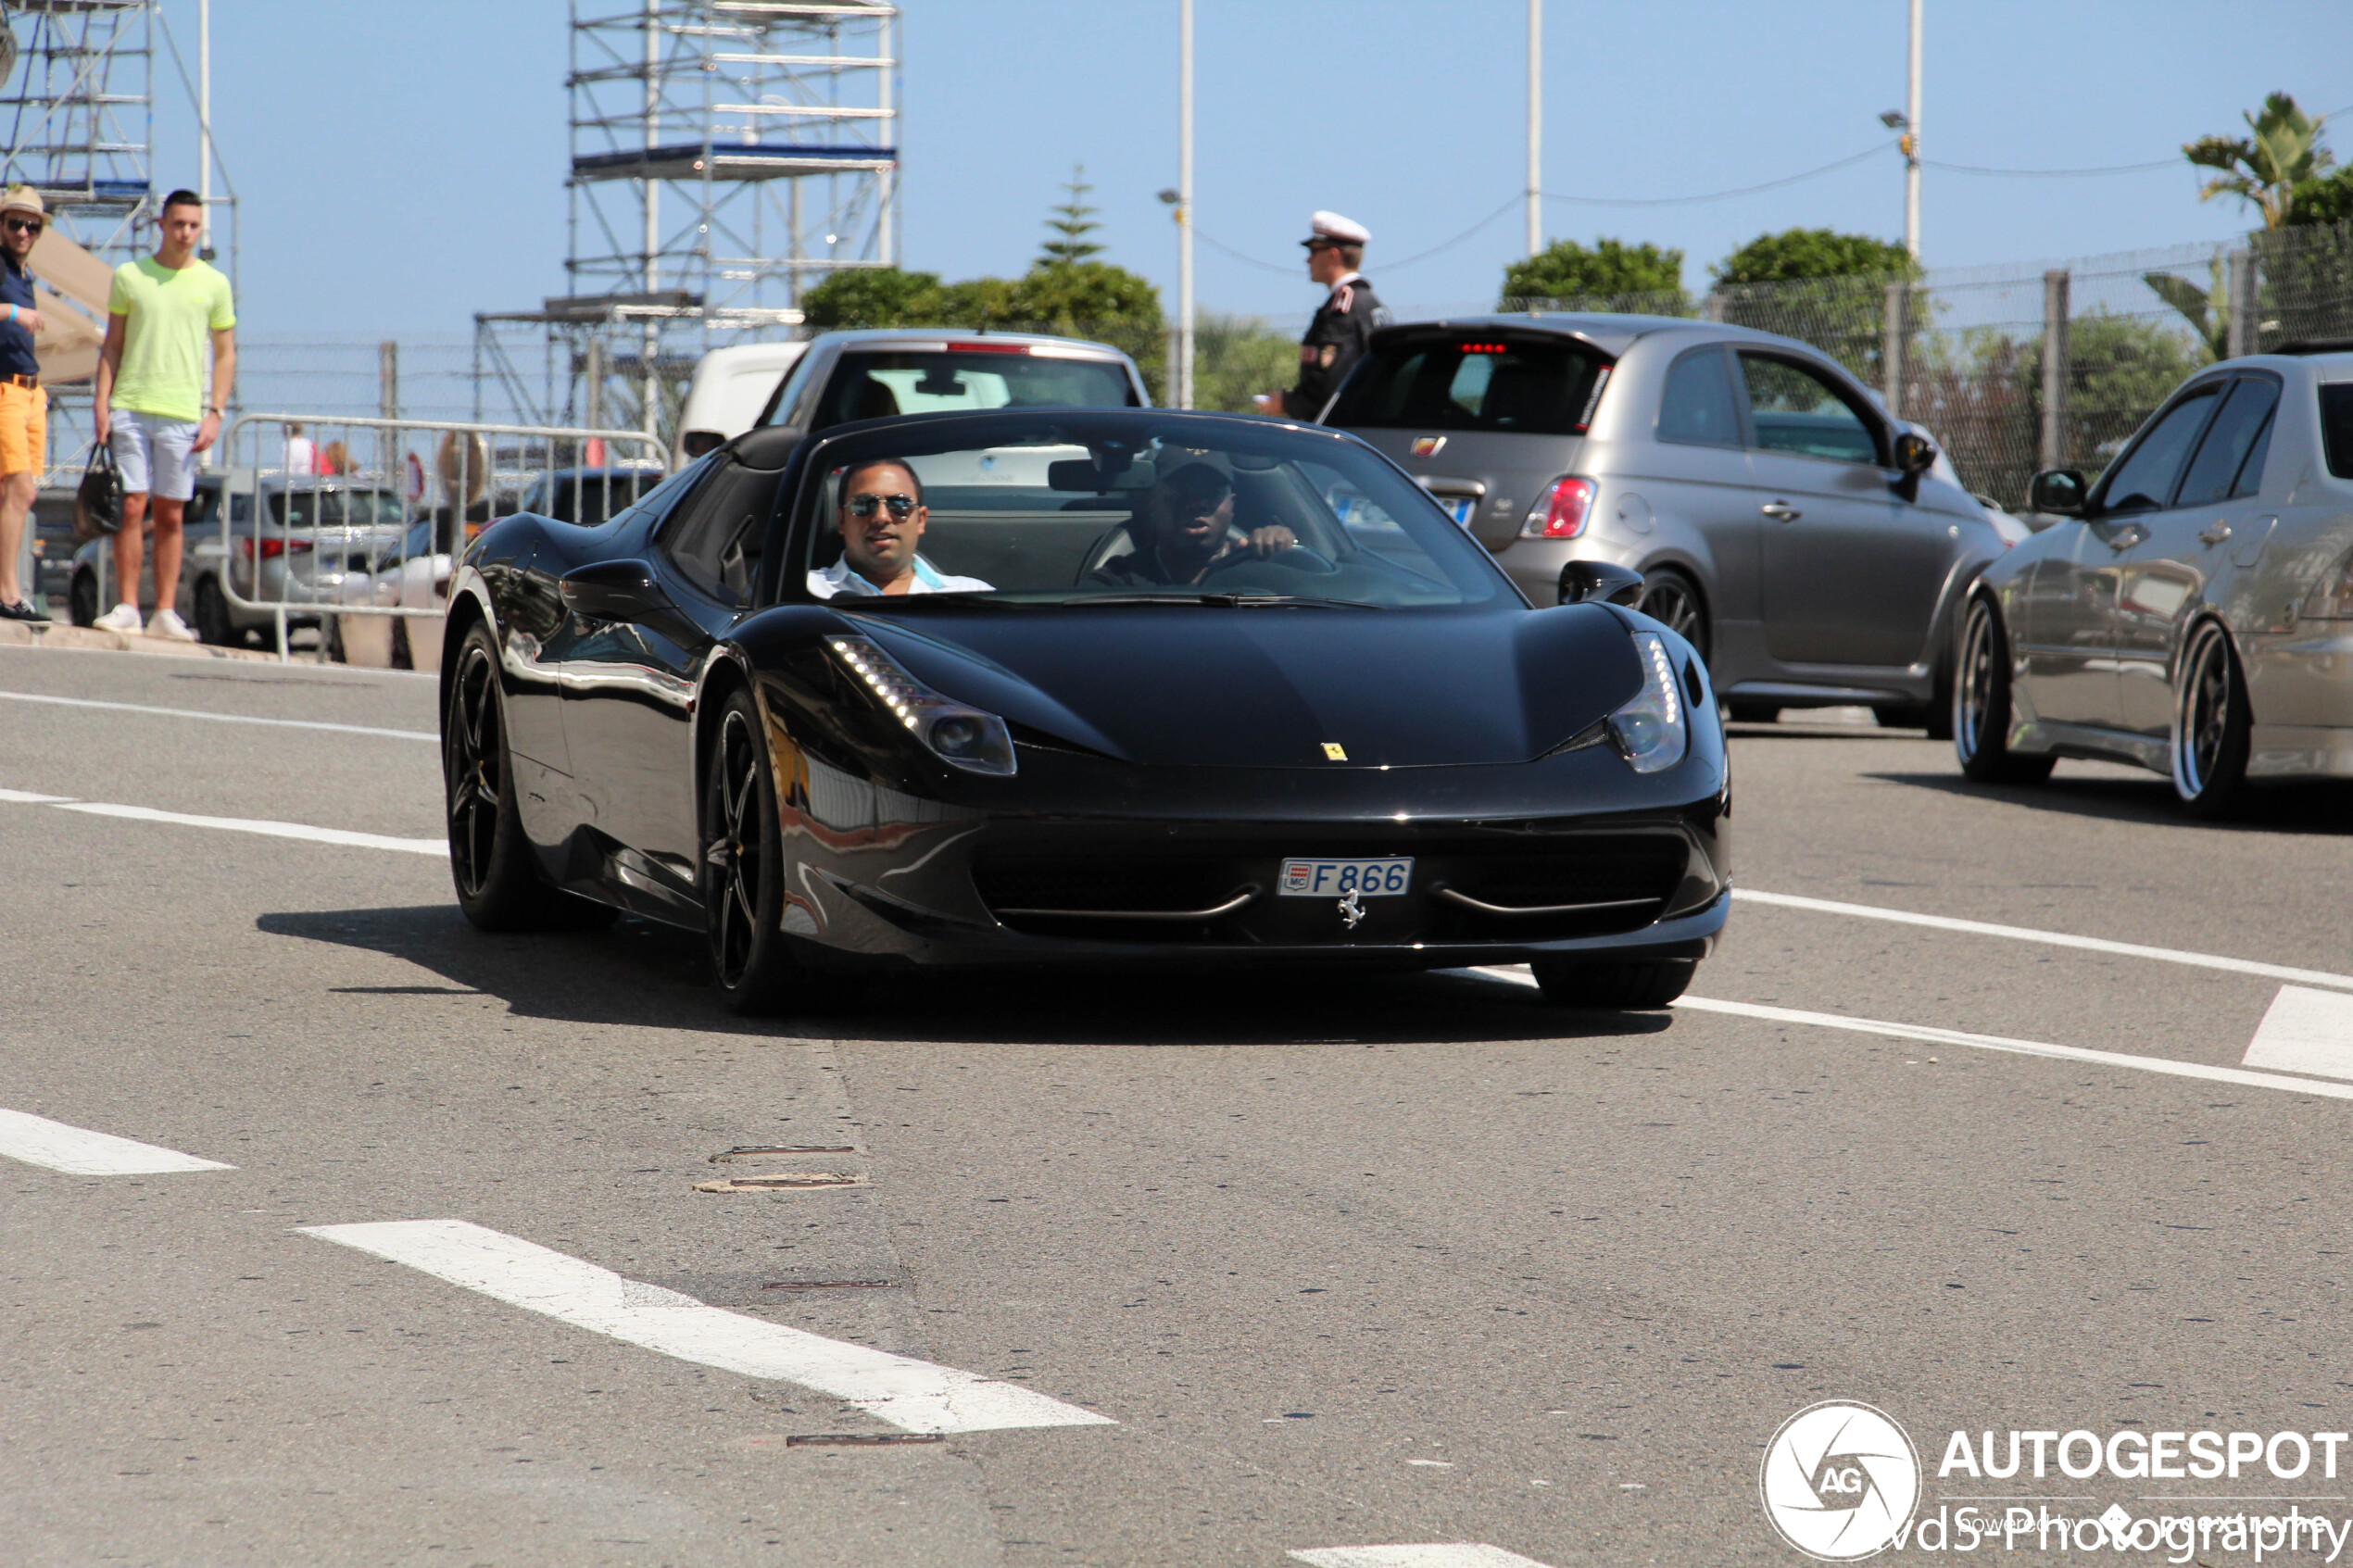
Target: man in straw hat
x,y
1343,325
151,404
25,407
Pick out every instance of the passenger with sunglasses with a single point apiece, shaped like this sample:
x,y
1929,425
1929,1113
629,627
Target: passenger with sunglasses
x,y
25,407
881,518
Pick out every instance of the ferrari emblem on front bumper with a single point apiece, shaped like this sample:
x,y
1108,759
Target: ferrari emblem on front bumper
x,y
1351,911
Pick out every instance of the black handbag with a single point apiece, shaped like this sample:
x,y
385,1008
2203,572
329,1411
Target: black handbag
x,y
97,502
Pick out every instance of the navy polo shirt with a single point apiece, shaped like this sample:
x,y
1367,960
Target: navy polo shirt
x,y
16,339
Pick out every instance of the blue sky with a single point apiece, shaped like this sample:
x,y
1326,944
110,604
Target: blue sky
x,y
401,163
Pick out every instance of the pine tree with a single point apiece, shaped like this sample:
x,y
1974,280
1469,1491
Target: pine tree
x,y
1072,222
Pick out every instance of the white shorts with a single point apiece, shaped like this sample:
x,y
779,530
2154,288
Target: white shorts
x,y
152,454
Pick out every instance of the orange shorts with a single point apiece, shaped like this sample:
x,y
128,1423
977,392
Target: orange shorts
x,y
24,427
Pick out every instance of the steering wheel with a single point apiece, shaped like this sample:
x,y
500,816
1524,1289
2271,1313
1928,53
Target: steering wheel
x,y
1295,558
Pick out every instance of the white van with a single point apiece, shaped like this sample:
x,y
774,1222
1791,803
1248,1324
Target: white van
x,y
730,388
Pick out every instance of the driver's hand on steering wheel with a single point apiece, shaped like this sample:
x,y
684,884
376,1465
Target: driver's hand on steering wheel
x,y
1271,540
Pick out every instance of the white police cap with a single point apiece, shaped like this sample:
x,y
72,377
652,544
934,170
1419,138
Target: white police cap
x,y
1330,228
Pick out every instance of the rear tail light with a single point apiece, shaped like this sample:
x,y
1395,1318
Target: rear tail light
x,y
270,549
2332,597
1561,510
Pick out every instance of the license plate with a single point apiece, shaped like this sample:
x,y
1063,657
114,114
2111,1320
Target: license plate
x,y
1461,508
1337,879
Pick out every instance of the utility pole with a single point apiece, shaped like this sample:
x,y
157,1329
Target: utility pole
x,y
1183,381
1536,125
203,125
1912,146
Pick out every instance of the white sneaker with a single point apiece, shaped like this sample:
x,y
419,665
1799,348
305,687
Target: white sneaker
x,y
168,623
122,618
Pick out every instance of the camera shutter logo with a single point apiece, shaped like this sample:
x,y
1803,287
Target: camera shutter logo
x,y
1840,1481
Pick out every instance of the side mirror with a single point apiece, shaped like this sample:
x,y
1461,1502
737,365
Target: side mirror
x,y
695,443
1915,454
1600,582
614,590
2060,492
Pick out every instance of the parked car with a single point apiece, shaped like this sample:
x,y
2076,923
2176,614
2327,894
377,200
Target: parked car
x,y
1779,520
731,386
414,576
865,375
2194,613
585,496
307,535
1213,692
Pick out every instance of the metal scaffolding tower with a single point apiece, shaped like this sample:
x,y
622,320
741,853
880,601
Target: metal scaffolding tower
x,y
726,156
80,115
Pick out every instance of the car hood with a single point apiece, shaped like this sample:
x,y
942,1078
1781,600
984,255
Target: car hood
x,y
1275,689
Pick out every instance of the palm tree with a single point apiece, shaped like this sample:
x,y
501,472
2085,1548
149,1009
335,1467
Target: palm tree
x,y
2263,169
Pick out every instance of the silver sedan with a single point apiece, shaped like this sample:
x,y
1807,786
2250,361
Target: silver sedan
x,y
2194,614
1802,539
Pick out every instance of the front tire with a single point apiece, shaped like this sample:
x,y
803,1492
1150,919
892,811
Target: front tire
x,y
1650,984
212,614
2210,725
1671,597
499,885
743,869
1982,705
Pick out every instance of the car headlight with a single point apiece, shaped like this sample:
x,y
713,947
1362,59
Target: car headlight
x,y
960,735
1654,730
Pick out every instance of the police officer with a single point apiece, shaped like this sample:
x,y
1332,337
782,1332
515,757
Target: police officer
x,y
1343,326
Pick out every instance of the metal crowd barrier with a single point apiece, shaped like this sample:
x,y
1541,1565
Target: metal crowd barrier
x,y
354,525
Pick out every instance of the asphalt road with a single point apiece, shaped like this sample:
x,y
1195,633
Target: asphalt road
x,y
1344,1263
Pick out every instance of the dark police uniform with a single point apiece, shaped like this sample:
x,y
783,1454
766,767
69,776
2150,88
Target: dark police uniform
x,y
1336,339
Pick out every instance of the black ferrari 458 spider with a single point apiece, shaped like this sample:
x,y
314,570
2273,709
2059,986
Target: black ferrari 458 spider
x,y
1054,686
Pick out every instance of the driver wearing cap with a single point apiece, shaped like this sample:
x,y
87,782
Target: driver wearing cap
x,y
1343,326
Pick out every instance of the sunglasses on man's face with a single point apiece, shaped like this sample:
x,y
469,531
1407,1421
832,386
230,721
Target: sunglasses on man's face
x,y
22,225
867,505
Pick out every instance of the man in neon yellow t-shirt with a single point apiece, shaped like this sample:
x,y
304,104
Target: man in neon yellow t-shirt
x,y
152,409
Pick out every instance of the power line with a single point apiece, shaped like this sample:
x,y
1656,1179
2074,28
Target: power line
x,y
2175,162
1872,151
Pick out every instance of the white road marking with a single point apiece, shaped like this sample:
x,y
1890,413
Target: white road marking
x,y
911,1395
219,718
26,797
2306,1031
1458,1555
2050,938
36,1140
1988,1042
260,825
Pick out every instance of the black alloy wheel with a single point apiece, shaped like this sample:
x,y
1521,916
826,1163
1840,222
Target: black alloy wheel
x,y
1671,597
2210,725
212,614
1649,983
82,598
499,885
743,870
1982,705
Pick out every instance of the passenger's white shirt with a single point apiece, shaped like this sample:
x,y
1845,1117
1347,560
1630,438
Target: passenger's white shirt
x,y
839,579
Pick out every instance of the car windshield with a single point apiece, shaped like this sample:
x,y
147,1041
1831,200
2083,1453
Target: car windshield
x,y
1473,380
336,508
874,385
1126,510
